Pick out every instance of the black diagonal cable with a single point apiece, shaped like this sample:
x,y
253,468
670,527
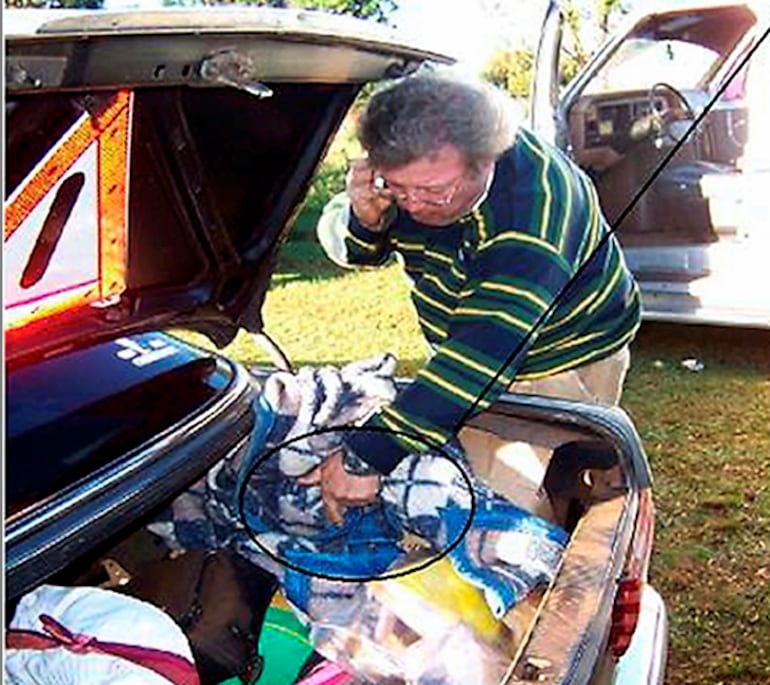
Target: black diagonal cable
x,y
629,208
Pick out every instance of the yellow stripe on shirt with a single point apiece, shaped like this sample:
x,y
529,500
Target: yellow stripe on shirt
x,y
509,290
433,302
470,363
446,385
394,420
361,243
545,216
519,237
503,316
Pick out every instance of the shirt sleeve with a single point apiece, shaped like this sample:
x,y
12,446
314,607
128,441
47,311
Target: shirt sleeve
x,y
488,337
346,241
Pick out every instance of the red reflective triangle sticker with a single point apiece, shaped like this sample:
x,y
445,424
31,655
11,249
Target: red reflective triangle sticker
x,y
66,225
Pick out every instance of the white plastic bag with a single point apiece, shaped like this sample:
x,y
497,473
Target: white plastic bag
x,y
109,617
399,635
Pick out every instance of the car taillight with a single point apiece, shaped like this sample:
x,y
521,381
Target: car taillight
x,y
625,615
625,611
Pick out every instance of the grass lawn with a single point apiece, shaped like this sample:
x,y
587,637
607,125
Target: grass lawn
x,y
707,435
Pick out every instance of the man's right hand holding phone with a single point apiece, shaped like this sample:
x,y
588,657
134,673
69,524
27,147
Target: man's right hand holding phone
x,y
368,202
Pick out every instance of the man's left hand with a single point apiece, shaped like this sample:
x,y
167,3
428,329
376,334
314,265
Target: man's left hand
x,y
340,489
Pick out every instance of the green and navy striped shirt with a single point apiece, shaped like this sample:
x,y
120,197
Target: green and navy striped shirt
x,y
482,284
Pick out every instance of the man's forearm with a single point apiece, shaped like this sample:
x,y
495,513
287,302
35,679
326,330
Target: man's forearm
x,y
345,240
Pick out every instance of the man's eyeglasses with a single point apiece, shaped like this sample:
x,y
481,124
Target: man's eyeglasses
x,y
437,196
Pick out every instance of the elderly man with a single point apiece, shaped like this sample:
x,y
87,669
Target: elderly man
x,y
516,281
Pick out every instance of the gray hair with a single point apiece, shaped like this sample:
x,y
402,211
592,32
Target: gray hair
x,y
420,114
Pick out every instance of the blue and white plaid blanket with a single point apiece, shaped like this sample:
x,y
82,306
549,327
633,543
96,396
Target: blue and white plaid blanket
x,y
504,550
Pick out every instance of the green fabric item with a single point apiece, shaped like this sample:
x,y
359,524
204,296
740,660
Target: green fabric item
x,y
285,647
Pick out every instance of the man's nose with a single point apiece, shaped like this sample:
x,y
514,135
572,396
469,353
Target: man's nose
x,y
411,203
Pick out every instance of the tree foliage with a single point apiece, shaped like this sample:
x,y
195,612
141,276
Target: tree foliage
x,y
511,70
604,11
594,21
377,10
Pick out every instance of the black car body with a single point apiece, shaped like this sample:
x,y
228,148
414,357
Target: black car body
x,y
100,437
155,162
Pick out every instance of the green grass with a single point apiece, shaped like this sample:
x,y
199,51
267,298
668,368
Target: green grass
x,y
322,314
707,435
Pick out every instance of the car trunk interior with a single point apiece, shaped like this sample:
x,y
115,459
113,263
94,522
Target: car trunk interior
x,y
568,473
570,476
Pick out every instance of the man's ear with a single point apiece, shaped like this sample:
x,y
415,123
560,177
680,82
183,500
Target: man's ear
x,y
481,167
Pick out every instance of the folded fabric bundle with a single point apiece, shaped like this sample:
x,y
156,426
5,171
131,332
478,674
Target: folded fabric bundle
x,y
504,550
95,637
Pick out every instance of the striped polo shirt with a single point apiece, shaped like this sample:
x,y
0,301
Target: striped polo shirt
x,y
529,284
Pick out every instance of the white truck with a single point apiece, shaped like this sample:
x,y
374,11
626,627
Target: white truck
x,y
669,118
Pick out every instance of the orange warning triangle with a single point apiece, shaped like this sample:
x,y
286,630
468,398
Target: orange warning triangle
x,y
66,224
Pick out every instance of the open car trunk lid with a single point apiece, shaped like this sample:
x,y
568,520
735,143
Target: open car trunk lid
x,y
155,161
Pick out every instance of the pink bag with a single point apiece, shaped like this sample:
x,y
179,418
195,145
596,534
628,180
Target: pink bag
x,y
327,673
